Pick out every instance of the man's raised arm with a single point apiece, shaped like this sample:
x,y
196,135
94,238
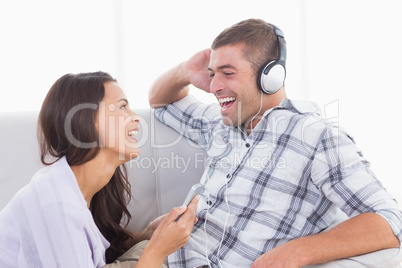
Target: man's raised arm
x,y
173,84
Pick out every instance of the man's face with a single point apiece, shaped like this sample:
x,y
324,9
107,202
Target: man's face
x,y
234,85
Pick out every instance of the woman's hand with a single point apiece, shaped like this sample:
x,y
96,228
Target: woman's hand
x,y
172,234
153,225
145,234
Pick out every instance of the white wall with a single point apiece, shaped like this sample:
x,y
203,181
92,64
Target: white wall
x,y
344,54
42,40
354,58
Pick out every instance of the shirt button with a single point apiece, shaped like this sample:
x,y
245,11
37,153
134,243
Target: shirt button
x,y
209,202
248,145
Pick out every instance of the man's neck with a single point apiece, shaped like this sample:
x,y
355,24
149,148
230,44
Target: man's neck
x,y
268,102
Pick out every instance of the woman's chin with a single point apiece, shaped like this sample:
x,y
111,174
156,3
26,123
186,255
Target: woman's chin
x,y
133,154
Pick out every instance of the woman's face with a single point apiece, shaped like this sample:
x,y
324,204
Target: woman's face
x,y
117,125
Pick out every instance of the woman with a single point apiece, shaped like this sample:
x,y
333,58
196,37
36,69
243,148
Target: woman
x,y
70,214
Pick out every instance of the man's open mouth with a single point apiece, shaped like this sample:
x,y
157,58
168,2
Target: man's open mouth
x,y
226,103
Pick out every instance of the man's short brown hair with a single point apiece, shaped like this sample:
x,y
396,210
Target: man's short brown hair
x,y
258,36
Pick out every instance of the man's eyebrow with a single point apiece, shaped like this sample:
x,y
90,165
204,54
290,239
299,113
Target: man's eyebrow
x,y
223,67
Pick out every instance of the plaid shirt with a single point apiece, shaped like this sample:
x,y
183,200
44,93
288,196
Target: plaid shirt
x,y
285,180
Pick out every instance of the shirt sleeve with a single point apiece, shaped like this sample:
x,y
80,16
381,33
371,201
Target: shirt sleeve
x,y
343,174
191,118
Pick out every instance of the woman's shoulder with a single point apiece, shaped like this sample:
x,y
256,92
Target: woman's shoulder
x,y
50,199
52,187
59,182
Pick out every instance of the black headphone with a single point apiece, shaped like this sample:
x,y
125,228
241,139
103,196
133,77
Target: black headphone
x,y
271,75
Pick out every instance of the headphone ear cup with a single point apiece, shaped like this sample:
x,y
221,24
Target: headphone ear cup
x,y
271,77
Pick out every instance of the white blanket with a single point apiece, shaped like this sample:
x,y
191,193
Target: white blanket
x,y
48,224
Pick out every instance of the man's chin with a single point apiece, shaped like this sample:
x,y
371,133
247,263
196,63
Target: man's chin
x,y
227,121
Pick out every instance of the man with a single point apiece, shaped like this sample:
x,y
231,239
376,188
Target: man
x,y
276,173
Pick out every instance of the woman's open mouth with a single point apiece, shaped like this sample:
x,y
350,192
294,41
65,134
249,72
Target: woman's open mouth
x,y
132,133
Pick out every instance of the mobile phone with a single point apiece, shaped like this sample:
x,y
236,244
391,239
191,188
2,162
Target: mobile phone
x,y
196,189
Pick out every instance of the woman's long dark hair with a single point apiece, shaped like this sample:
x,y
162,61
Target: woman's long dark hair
x,y
66,127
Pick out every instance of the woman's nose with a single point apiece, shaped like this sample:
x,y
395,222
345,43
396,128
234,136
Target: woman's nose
x,y
135,119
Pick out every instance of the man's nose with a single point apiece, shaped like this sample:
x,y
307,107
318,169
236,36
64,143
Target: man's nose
x,y
216,85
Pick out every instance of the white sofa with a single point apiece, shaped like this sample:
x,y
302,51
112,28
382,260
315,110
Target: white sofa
x,y
161,177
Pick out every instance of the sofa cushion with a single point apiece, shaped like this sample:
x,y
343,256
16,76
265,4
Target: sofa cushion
x,y
163,173
19,157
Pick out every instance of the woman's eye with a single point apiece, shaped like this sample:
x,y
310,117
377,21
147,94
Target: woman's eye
x,y
123,107
211,75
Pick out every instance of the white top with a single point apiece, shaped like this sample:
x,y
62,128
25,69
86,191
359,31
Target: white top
x,y
48,224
